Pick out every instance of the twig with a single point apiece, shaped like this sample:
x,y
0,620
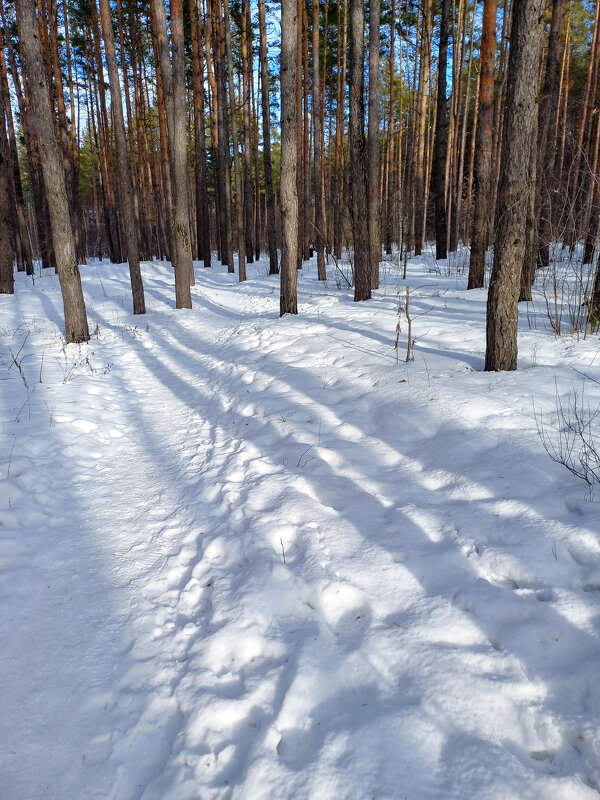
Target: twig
x,y
282,547
10,457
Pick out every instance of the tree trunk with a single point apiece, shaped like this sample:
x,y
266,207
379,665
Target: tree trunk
x,y
202,208
174,90
317,136
288,303
358,167
125,188
246,90
373,144
519,136
549,105
237,166
483,209
7,252
223,157
266,128
440,149
420,205
76,327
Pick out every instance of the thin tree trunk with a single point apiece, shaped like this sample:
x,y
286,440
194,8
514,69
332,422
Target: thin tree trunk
x,y
316,114
7,252
125,188
549,105
358,166
483,209
373,144
421,153
288,303
438,178
266,129
202,211
247,89
241,239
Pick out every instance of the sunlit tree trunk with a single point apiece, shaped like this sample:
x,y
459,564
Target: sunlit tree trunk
x,y
76,327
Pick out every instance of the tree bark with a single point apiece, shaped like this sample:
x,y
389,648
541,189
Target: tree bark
x,y
246,92
76,327
266,128
420,204
317,146
373,144
237,167
519,136
288,303
440,148
358,167
7,251
174,89
549,105
484,141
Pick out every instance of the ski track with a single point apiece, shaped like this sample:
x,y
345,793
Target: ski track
x,y
250,558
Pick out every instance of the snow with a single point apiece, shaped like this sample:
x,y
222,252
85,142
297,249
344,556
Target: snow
x,y
244,557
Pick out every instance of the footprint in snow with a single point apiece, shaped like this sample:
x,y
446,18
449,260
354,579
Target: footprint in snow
x,y
347,613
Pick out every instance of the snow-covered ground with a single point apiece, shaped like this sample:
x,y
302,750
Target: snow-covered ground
x,y
252,558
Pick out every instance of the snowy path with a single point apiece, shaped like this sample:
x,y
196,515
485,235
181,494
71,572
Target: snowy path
x,y
251,558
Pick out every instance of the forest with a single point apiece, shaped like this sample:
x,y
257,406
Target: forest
x,y
279,515
430,125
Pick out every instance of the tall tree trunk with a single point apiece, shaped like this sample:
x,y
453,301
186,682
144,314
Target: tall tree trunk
x,y
76,327
389,158
7,251
125,188
288,303
266,129
549,105
421,154
484,177
438,177
246,90
174,90
358,167
241,239
202,206
13,166
223,158
317,146
519,136
373,144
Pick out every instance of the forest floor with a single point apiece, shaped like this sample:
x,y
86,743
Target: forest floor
x,y
267,559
